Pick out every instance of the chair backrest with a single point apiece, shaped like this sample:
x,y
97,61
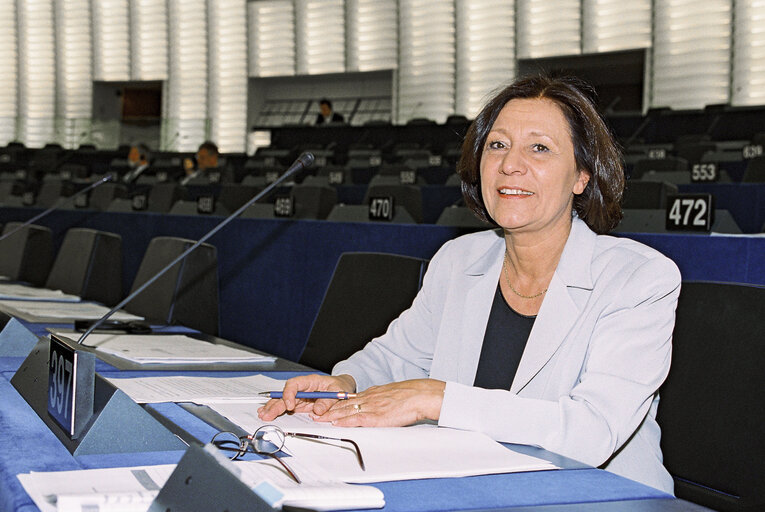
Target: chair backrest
x,y
26,255
89,264
187,294
647,194
367,291
712,411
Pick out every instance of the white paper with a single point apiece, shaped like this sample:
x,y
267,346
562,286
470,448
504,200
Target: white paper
x,y
404,453
132,489
197,389
47,311
170,348
15,291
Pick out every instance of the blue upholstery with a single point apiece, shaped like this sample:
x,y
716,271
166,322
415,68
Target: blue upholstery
x,y
273,273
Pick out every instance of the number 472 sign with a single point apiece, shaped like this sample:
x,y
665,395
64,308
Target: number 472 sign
x,y
690,212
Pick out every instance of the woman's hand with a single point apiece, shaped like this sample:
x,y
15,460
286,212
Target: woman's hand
x,y
288,403
393,405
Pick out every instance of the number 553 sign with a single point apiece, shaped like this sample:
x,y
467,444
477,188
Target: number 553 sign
x,y
690,212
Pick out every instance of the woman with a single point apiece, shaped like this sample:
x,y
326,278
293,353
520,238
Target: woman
x,y
545,332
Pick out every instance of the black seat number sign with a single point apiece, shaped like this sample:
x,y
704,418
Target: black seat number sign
x,y
162,176
336,177
140,202
284,206
407,177
752,151
82,201
657,153
70,386
271,176
205,204
381,208
214,177
704,172
690,212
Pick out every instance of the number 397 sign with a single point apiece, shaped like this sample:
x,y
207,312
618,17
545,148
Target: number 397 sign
x,y
70,386
690,212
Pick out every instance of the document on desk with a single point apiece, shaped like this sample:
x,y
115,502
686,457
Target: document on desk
x,y
169,348
134,488
404,453
146,390
14,291
60,312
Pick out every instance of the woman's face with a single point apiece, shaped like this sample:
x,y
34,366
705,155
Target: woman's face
x,y
528,171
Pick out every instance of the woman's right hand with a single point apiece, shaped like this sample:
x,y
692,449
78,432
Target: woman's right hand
x,y
288,403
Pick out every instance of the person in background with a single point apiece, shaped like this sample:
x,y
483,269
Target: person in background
x,y
545,331
139,159
327,115
206,158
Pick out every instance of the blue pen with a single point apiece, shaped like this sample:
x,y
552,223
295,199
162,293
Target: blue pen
x,y
337,395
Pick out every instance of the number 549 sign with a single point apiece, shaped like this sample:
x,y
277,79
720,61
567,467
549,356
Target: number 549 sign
x,y
690,212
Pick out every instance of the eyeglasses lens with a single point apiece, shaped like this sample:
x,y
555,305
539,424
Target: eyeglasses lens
x,y
268,439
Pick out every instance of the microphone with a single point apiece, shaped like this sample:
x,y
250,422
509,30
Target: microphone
x,y
304,161
56,206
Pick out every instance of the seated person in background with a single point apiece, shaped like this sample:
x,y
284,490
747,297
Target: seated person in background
x,y
544,332
139,158
205,159
327,115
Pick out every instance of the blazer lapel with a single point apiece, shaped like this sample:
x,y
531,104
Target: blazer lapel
x,y
481,278
559,312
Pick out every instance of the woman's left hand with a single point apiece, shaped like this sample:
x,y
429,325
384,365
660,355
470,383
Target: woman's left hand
x,y
393,405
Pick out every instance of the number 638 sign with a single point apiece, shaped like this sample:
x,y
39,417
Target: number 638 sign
x,y
690,212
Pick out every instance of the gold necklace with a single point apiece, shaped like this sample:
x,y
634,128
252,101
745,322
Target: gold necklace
x,y
519,294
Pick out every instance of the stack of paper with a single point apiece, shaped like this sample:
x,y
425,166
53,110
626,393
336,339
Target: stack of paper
x,y
197,389
402,453
59,312
14,291
170,348
134,488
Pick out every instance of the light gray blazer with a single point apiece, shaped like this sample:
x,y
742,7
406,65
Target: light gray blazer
x,y
587,384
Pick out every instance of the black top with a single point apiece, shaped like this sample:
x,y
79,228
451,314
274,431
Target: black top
x,y
506,334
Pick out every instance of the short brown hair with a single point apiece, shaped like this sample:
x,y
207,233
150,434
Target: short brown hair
x,y
595,149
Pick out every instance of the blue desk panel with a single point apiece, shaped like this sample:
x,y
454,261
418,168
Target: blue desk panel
x,y
27,445
273,273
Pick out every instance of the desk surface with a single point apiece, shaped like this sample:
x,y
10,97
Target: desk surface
x,y
27,444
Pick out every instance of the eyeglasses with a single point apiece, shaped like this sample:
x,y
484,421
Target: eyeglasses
x,y
269,440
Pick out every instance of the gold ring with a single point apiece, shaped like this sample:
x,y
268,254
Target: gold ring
x,y
357,407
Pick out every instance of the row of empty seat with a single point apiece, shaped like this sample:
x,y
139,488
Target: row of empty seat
x,y
89,264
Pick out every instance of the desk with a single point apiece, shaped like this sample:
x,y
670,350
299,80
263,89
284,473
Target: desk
x,y
28,445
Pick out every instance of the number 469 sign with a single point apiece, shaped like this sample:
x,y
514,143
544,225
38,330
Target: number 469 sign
x,y
690,212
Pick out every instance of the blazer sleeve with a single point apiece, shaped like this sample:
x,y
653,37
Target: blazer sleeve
x,y
626,357
406,349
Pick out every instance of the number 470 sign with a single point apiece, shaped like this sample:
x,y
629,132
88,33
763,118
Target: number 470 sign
x,y
690,212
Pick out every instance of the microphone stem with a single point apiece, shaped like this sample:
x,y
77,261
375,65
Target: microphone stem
x,y
196,244
58,204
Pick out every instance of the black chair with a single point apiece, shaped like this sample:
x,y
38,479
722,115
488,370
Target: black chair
x,y
313,202
187,294
654,220
462,217
755,171
712,413
658,165
367,291
27,254
647,194
89,264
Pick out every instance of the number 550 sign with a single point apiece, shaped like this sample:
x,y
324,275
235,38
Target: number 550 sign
x,y
690,212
